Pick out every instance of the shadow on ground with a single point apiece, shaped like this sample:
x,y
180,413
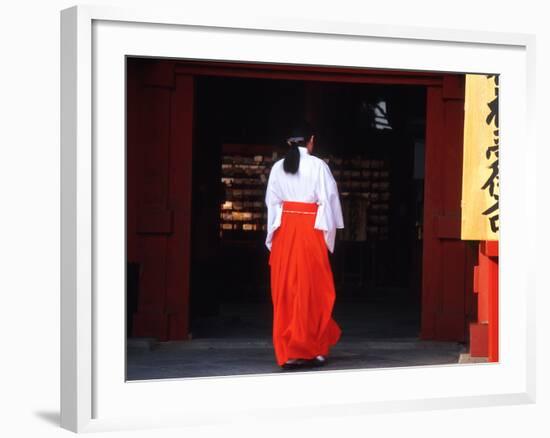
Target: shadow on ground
x,y
238,342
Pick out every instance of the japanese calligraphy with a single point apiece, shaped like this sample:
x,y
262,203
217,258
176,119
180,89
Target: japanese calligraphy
x,y
492,182
480,166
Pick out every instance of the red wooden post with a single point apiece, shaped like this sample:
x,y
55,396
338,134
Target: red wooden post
x,y
491,250
446,270
484,332
178,255
160,130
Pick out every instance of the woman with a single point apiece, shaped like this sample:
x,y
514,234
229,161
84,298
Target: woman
x,y
304,212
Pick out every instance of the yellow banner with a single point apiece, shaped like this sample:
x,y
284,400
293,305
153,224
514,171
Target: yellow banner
x,y
480,178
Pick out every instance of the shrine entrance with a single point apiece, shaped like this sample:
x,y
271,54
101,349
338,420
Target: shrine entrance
x,y
201,140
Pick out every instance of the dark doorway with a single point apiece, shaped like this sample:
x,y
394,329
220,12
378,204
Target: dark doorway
x,y
372,137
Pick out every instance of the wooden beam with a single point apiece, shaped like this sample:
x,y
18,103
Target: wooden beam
x,y
309,73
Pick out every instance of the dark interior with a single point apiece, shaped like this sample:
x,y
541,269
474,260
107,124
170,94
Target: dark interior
x,y
373,139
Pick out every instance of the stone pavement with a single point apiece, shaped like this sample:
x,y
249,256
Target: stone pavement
x,y
239,342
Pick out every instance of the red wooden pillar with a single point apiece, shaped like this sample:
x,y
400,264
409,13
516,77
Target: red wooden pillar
x,y
178,255
484,332
159,163
447,267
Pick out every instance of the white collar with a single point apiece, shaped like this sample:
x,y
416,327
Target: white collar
x,y
303,150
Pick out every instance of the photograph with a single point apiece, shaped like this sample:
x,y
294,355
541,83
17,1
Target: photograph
x,y
298,218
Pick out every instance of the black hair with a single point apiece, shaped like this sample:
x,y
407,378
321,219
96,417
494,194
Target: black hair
x,y
291,161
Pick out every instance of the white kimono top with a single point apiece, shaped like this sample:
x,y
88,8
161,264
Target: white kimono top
x,y
312,183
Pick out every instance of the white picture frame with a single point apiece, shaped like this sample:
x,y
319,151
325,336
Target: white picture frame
x,y
94,43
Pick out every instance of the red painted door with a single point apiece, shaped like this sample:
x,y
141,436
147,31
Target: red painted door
x,y
447,273
159,164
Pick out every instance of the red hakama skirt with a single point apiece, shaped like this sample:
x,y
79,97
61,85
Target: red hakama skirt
x,y
302,286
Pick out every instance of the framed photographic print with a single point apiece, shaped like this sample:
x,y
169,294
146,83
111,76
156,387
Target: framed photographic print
x,y
199,286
